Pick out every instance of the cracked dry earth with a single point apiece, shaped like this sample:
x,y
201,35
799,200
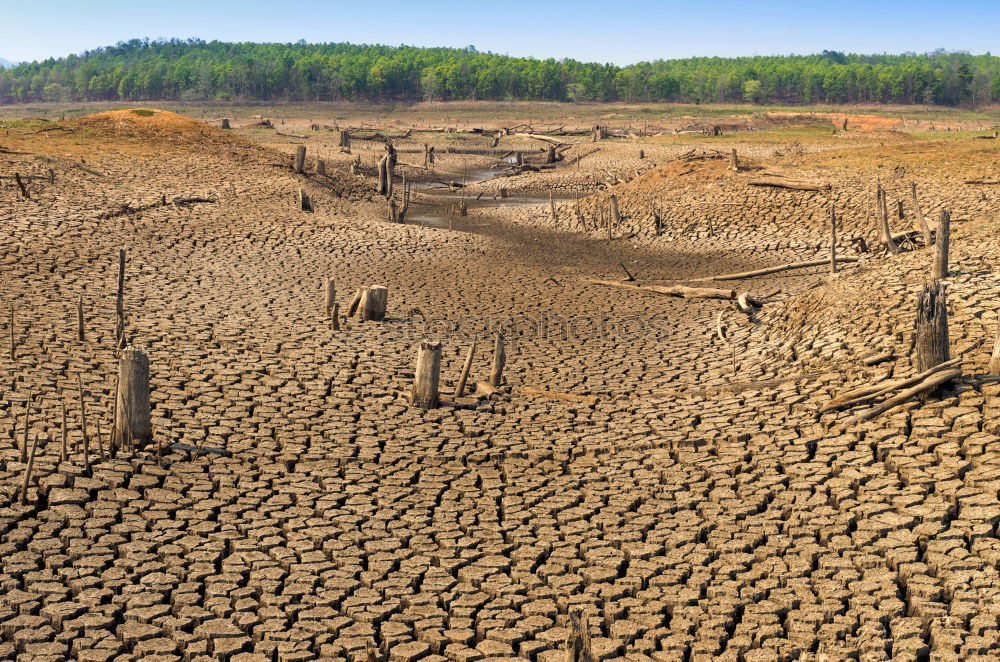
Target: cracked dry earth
x,y
690,514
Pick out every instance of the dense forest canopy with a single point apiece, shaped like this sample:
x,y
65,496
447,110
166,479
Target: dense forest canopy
x,y
143,70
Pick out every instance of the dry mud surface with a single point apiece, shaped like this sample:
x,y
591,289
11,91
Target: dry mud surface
x,y
701,509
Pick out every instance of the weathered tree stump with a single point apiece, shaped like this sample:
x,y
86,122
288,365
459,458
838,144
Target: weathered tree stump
x,y
884,229
374,301
330,292
550,156
383,176
931,345
833,239
345,139
305,202
939,269
80,331
225,123
321,167
734,161
132,420
300,158
427,375
499,361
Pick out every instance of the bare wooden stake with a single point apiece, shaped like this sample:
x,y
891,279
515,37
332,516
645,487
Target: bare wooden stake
x,y
940,267
83,425
80,331
20,185
427,375
499,360
833,240
132,400
27,471
65,432
335,316
884,228
355,302
994,367
734,163
27,419
464,378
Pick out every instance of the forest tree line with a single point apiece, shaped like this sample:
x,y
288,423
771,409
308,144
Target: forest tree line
x,y
193,70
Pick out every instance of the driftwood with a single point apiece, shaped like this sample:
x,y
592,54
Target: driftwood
x,y
867,393
569,397
929,384
774,270
794,184
126,209
983,182
670,290
548,139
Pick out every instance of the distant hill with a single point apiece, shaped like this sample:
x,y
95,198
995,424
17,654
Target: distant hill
x,y
191,70
6,63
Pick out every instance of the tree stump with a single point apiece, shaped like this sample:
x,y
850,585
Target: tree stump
x,y
734,161
383,173
321,167
225,123
939,269
132,418
331,295
427,375
833,239
931,344
499,361
550,157
374,301
300,158
345,139
305,202
466,368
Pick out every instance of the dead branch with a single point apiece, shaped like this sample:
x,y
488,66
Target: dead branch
x,y
928,384
867,393
671,291
773,270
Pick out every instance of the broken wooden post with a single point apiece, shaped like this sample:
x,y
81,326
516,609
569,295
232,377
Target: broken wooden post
x,y
994,367
65,431
931,344
939,269
345,139
355,302
734,163
330,292
833,240
924,228
120,302
374,301
132,422
83,425
321,167
335,316
383,174
499,360
225,123
305,201
300,158
884,228
464,378
427,375
27,471
550,157
20,185
27,425
80,334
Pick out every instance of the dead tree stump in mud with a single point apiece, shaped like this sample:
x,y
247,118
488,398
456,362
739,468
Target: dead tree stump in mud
x,y
383,172
924,228
330,292
374,301
931,344
499,361
305,202
939,269
300,158
345,139
734,162
80,334
321,167
427,376
132,413
20,185
883,213
225,123
550,156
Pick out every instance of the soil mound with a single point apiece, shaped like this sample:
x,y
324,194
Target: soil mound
x,y
149,124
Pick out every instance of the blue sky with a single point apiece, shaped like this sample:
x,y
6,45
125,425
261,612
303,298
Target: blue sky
x,y
621,31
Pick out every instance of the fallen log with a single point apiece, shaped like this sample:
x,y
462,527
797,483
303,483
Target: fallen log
x,y
290,135
930,383
774,270
982,182
872,391
683,291
554,395
548,139
794,184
